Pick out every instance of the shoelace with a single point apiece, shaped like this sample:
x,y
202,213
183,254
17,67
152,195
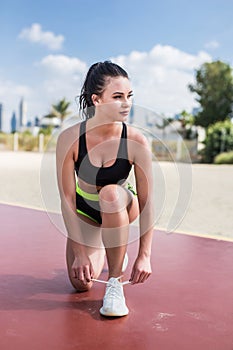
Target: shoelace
x,y
109,283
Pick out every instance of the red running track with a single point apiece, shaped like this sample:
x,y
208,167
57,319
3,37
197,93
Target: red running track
x,y
186,304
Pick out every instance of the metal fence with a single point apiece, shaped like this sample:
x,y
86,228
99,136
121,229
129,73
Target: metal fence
x,y
166,150
23,142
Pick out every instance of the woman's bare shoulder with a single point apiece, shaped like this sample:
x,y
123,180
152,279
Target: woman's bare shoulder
x,y
70,134
134,134
67,143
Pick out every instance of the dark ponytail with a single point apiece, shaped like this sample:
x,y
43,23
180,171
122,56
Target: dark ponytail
x,y
95,82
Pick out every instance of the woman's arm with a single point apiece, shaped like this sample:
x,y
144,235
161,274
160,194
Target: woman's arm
x,y
65,158
66,182
144,184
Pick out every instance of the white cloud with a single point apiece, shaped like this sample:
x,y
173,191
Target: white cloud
x,y
63,78
35,34
63,65
59,76
161,76
9,88
212,44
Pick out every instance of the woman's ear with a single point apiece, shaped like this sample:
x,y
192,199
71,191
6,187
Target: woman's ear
x,y
95,99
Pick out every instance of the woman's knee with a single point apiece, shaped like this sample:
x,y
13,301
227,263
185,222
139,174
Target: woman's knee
x,y
113,198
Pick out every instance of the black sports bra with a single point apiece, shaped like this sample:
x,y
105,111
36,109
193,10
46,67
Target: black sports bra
x,y
116,173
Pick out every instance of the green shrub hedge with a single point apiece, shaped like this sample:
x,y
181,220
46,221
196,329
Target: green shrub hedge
x,y
224,158
219,139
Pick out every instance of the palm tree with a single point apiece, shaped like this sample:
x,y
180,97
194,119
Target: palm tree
x,y
60,109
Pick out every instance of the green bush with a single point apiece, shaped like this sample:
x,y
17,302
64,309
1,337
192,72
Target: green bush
x,y
28,142
219,139
46,131
224,158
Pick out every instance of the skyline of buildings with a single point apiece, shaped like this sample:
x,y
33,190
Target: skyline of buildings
x,y
18,121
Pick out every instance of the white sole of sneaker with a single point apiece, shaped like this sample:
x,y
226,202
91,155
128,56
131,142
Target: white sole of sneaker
x,y
104,313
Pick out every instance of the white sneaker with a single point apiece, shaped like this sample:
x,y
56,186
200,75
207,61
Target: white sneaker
x,y
114,300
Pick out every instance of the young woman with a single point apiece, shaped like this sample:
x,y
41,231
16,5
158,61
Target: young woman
x,y
94,159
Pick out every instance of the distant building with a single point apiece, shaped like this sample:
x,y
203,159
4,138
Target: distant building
x,y
1,113
22,113
37,121
13,123
50,121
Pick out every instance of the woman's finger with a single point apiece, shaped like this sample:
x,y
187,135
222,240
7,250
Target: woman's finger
x,y
92,273
143,277
73,272
87,273
80,274
136,277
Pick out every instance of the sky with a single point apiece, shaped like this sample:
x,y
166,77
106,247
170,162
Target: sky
x,y
48,46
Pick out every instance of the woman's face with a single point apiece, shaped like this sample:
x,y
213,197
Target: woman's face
x,y
116,100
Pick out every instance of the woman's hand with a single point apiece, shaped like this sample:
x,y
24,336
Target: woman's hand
x,y
141,270
82,269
